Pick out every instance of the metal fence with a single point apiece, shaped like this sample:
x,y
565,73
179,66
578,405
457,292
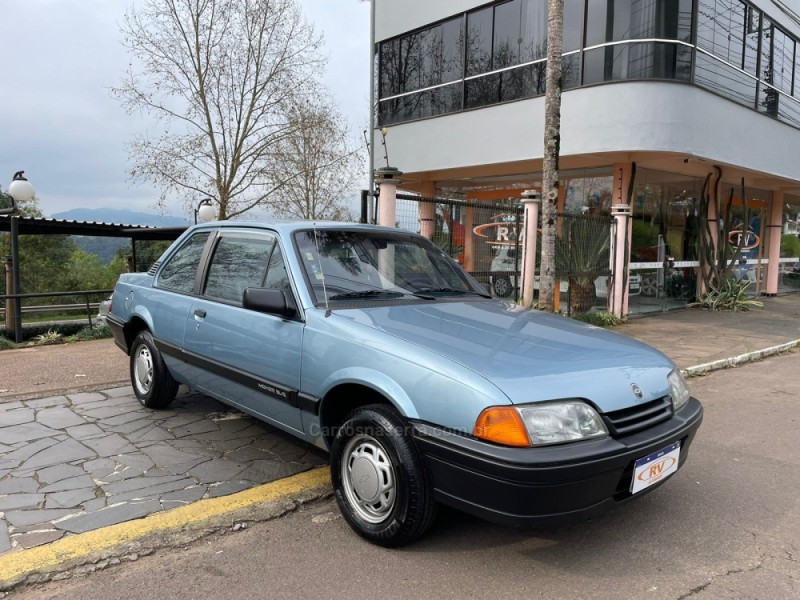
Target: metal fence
x,y
584,261
486,239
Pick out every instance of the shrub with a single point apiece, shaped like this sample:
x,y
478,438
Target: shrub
x,y
6,344
790,245
51,337
90,333
731,296
599,318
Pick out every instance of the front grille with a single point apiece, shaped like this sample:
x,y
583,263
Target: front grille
x,y
154,268
630,420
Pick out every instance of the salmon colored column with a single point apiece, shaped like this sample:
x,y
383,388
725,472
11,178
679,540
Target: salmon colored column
x,y
618,296
427,210
469,239
531,200
621,212
774,229
387,179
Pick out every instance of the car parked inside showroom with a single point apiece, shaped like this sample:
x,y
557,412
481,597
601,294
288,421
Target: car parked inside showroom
x,y
505,276
375,345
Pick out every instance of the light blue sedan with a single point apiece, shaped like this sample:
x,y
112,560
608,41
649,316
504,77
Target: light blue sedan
x,y
375,345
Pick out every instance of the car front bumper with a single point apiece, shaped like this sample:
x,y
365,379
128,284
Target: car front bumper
x,y
546,486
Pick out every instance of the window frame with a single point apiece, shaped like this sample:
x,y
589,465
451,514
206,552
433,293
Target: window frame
x,y
235,234
201,266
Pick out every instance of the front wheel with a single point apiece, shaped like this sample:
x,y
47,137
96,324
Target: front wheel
x,y
151,380
381,482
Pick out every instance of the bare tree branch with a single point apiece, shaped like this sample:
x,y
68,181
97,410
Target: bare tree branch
x,y
224,77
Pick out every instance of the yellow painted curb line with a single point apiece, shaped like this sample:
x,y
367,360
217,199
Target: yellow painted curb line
x,y
19,565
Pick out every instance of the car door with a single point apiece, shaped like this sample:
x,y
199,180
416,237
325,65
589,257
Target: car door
x,y
170,301
243,357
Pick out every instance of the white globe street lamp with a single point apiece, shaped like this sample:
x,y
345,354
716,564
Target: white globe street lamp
x,y
20,190
205,211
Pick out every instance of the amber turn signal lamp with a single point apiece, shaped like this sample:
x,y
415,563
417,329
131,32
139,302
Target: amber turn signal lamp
x,y
502,425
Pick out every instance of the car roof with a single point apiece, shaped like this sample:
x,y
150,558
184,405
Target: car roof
x,y
288,227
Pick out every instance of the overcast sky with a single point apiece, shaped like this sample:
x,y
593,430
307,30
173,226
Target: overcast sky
x,y
58,122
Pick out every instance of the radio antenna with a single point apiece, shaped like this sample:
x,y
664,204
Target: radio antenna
x,y
319,258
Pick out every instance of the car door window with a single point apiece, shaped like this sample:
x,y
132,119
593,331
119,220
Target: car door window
x,y
277,277
181,269
239,262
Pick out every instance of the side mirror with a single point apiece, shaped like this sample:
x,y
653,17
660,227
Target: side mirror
x,y
273,302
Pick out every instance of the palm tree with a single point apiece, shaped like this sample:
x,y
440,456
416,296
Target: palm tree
x,y
552,142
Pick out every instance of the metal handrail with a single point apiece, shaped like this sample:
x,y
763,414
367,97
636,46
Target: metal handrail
x,y
85,293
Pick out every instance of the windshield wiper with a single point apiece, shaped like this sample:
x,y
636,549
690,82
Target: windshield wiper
x,y
450,290
367,294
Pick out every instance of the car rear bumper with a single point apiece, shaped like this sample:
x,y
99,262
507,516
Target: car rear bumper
x,y
548,486
117,331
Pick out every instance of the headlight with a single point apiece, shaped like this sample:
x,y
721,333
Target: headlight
x,y
540,424
557,422
678,389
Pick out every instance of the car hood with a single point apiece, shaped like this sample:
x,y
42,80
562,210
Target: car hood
x,y
529,355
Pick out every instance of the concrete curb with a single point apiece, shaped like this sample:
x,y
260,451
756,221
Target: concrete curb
x,y
733,361
98,549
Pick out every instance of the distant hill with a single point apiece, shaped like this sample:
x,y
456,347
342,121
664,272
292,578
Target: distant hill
x,y
118,215
106,247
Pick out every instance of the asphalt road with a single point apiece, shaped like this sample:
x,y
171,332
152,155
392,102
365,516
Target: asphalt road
x,y
726,526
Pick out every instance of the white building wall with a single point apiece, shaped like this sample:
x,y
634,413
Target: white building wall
x,y
393,17
619,117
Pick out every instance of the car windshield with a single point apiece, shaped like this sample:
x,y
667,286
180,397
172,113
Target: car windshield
x,y
378,266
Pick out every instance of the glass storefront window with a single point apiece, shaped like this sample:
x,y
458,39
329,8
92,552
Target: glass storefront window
x,y
479,41
743,55
725,80
752,30
789,278
782,60
652,60
588,195
573,25
422,59
520,32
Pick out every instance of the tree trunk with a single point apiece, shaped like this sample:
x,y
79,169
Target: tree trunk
x,y
552,141
582,295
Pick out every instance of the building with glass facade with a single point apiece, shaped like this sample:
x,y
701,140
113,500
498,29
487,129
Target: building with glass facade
x,y
658,95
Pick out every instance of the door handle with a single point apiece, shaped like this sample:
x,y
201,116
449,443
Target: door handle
x,y
200,313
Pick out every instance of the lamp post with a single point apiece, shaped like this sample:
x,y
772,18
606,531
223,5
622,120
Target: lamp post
x,y
205,211
20,190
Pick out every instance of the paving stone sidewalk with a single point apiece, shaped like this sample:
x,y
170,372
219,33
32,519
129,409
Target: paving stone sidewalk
x,y
74,463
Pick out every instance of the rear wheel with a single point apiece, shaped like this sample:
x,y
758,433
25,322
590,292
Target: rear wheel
x,y
151,380
381,482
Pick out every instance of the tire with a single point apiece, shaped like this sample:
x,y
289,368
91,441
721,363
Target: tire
x,y
150,378
502,287
649,285
381,483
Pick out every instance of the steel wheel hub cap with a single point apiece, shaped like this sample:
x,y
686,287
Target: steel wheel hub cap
x,y
143,370
368,478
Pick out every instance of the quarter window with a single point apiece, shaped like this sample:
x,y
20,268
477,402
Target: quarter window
x,y
277,277
181,269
